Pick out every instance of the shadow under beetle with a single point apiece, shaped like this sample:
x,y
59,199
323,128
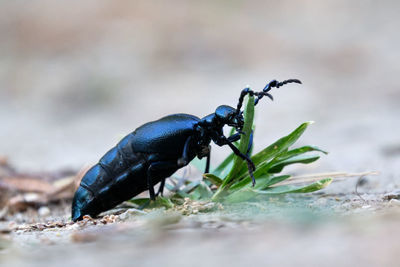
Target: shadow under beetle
x,y
157,149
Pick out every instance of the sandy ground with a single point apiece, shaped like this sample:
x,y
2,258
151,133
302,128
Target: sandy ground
x,y
316,231
75,79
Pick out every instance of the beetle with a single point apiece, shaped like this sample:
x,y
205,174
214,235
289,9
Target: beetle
x,y
157,149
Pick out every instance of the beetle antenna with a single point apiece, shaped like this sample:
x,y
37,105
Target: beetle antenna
x,y
264,92
244,92
270,85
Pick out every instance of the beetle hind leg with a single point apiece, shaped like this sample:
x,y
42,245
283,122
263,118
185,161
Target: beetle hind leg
x,y
161,188
157,169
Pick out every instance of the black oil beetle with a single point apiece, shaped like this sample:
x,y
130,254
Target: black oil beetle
x,y
155,150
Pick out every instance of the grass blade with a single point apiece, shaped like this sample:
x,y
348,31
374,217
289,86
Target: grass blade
x,y
305,159
262,158
215,180
139,202
224,165
273,180
262,182
285,189
199,164
250,193
244,140
202,191
247,180
280,145
299,151
243,145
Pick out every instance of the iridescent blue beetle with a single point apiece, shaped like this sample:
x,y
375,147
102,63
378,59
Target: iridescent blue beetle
x,y
157,149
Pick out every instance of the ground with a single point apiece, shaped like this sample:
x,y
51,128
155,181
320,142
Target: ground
x,y
74,81
327,230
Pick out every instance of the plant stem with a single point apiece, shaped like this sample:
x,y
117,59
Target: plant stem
x,y
243,146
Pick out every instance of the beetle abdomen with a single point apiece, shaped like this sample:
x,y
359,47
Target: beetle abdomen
x,y
105,191
119,175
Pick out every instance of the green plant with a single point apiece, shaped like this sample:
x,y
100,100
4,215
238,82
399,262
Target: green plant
x,y
236,185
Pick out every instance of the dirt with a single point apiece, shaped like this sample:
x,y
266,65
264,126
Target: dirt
x,y
322,229
74,80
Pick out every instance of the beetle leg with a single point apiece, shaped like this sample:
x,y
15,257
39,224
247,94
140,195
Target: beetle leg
x,y
250,165
151,172
161,188
207,170
150,184
250,144
235,137
184,160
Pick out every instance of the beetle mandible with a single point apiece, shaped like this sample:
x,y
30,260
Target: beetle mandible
x,y
157,149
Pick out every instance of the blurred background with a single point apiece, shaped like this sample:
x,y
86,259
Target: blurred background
x,y
76,77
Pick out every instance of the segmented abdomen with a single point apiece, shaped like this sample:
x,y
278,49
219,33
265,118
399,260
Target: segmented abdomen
x,y
119,175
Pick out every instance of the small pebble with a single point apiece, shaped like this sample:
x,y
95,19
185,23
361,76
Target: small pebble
x,y
394,202
392,195
130,213
4,229
44,211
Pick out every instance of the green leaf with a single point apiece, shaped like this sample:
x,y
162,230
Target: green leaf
x,y
285,189
199,164
240,196
243,145
147,203
202,191
177,191
305,159
140,202
228,161
244,139
273,180
192,185
232,132
298,151
170,187
247,180
161,202
261,181
215,180
249,193
280,145
181,193
262,158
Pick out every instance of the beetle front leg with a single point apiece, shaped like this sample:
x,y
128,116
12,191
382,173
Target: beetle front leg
x,y
235,137
250,144
250,164
222,140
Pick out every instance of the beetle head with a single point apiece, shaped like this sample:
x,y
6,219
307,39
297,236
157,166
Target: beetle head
x,y
228,115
